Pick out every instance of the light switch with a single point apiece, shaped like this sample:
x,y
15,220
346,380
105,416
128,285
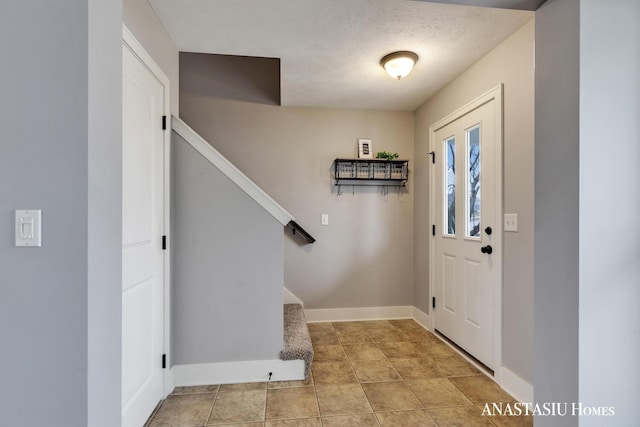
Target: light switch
x,y
511,222
28,228
325,219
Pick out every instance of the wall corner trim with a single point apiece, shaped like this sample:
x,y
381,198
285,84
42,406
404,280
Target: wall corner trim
x,y
237,372
230,171
516,386
422,318
290,298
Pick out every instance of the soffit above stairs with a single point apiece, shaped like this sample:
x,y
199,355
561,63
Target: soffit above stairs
x,y
503,4
330,50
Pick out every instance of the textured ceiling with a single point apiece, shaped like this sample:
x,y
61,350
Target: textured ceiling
x,y
330,49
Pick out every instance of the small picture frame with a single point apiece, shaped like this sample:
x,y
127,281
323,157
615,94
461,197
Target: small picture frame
x,y
365,149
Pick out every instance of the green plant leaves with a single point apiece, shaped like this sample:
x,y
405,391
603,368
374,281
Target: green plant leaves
x,y
386,155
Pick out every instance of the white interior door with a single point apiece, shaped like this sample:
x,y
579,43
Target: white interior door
x,y
142,230
466,245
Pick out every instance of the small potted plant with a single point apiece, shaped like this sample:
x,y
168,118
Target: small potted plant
x,y
386,155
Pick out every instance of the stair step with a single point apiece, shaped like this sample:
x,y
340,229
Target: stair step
x,y
297,342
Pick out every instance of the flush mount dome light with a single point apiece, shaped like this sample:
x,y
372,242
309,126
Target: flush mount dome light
x,y
399,64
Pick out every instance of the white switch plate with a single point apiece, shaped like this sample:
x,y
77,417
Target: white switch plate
x,y
511,222
28,228
325,219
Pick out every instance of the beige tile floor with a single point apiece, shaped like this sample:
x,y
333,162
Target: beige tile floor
x,y
376,373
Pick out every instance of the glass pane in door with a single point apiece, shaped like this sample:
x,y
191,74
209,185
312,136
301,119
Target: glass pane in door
x,y
450,186
472,222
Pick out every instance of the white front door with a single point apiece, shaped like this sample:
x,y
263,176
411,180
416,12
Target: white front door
x,y
467,239
142,230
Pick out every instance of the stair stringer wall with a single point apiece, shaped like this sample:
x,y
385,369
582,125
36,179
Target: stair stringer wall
x,y
228,258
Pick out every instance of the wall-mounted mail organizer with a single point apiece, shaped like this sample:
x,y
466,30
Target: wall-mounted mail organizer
x,y
371,172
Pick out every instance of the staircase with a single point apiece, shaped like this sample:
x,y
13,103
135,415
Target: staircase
x,y
297,342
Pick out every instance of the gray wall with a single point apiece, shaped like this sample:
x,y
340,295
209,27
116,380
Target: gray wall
x,y
557,205
144,24
104,298
60,152
587,252
228,267
364,257
609,260
510,63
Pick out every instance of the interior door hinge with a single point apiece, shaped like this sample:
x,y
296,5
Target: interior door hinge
x,y
164,122
433,156
433,230
164,243
433,302
164,361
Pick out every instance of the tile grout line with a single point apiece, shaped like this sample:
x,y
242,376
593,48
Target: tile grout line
x,y
439,370
394,369
468,397
424,408
400,376
359,383
266,402
405,382
206,423
315,393
373,412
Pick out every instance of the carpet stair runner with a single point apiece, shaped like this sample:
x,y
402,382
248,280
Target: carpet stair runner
x,y
297,342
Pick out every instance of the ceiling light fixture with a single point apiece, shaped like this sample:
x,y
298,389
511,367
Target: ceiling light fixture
x,y
399,64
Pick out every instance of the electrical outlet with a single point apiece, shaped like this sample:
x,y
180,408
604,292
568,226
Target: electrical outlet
x,y
325,219
511,222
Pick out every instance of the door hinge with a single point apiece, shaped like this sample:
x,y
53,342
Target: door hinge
x,y
433,156
164,361
433,302
433,230
164,243
164,122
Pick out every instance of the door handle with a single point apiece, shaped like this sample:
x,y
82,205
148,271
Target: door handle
x,y
486,249
488,230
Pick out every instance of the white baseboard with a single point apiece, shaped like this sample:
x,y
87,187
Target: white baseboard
x,y
290,298
258,370
358,313
422,318
516,386
237,372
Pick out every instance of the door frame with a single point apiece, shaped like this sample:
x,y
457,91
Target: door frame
x,y
496,95
129,41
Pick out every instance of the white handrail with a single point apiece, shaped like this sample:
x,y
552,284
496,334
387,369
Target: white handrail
x,y
232,172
